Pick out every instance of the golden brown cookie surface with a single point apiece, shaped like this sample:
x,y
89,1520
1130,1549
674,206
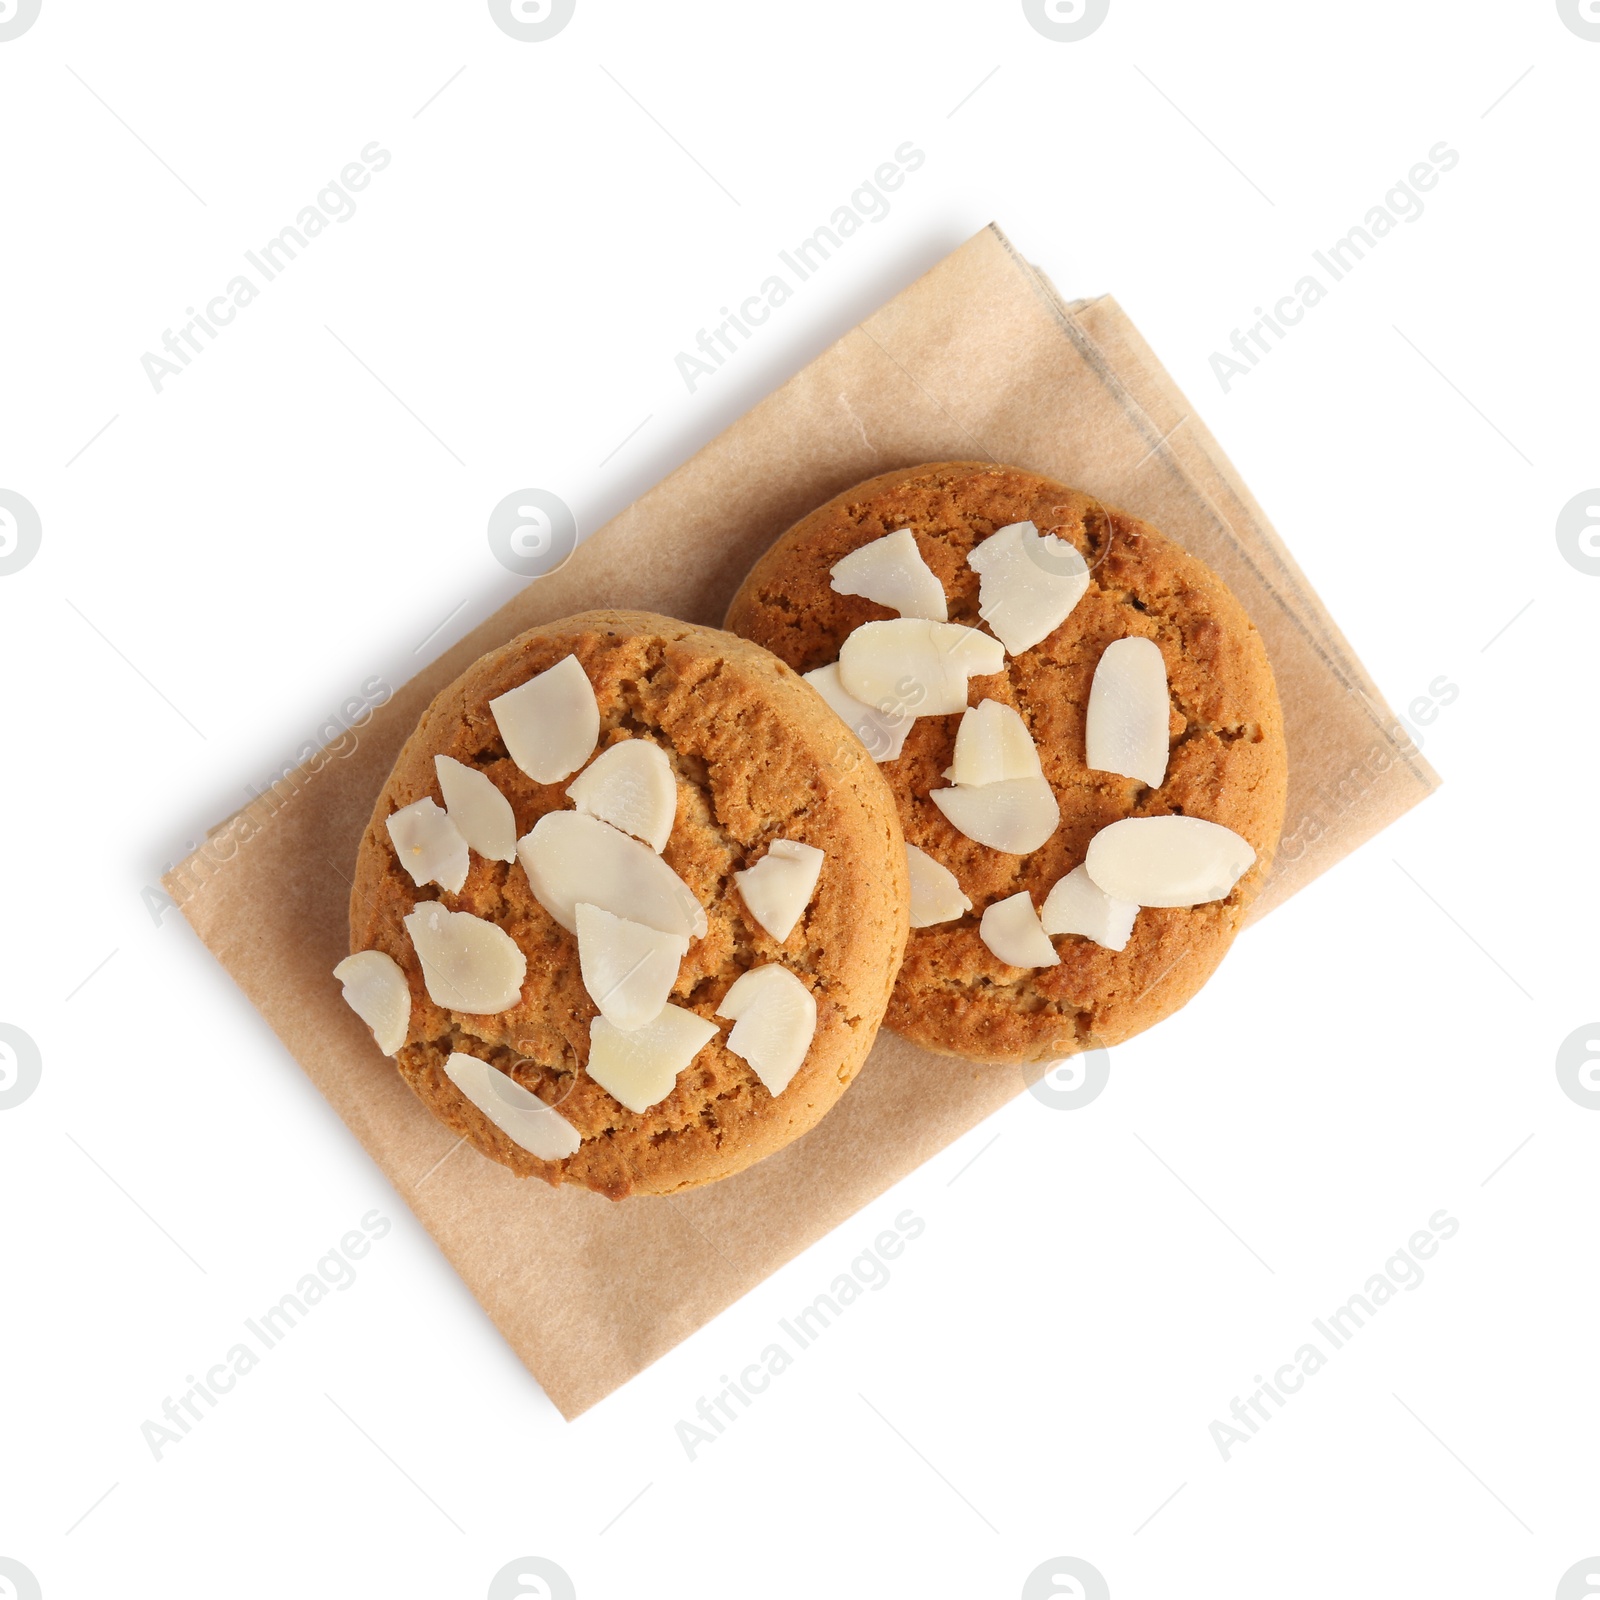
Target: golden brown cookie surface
x,y
756,757
1227,763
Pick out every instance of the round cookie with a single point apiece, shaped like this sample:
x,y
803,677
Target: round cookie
x,y
1227,761
755,757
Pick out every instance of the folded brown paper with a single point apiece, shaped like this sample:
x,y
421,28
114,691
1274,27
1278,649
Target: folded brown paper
x,y
978,359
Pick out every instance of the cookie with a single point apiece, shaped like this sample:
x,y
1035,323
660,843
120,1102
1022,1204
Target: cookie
x,y
1226,760
752,757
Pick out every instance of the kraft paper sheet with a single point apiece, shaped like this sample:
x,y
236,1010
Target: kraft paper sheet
x,y
980,358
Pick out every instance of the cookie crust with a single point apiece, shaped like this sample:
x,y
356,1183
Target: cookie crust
x,y
757,757
1228,762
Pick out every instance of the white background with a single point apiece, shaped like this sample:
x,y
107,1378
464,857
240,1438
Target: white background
x,y
229,559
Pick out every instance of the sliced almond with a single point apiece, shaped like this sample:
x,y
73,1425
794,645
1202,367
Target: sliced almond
x,y
992,745
570,857
517,1112
1016,815
916,667
628,969
1027,583
376,990
1078,905
883,733
779,887
640,1067
774,1019
429,845
1168,861
891,572
630,785
467,964
1010,928
551,723
935,892
481,814
1126,727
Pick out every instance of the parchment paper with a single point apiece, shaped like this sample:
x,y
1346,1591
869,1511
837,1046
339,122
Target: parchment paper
x,y
980,358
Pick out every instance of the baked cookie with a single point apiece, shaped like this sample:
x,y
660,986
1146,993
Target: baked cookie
x,y
648,831
1186,721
